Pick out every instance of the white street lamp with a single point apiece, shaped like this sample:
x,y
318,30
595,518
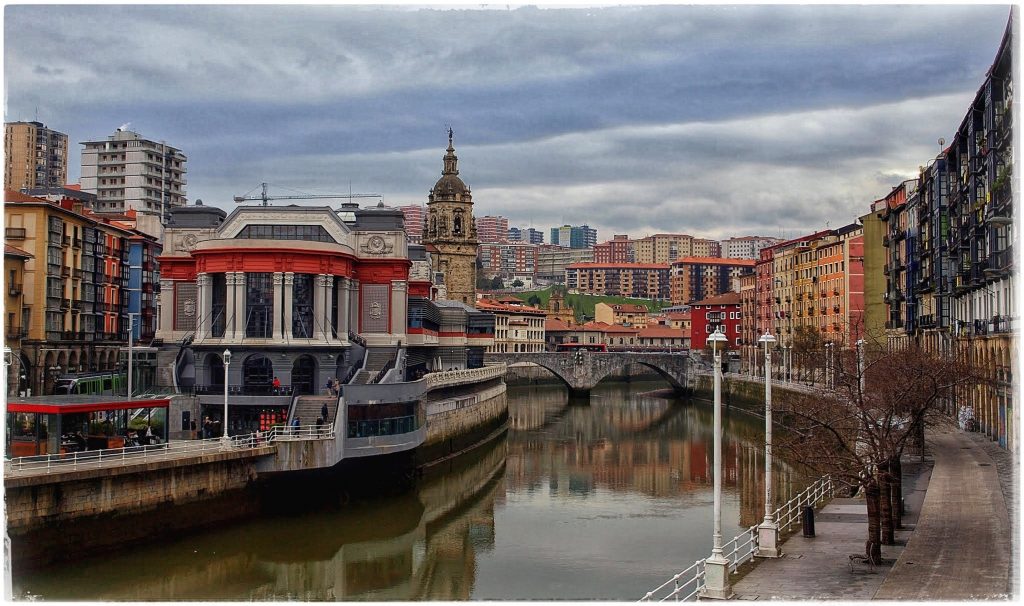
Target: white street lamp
x,y
716,567
768,531
131,340
224,432
829,368
860,365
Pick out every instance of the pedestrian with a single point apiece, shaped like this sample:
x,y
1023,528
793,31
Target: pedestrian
x,y
277,385
207,428
319,425
329,390
323,411
335,386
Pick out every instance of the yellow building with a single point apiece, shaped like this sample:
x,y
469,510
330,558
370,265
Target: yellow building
x,y
666,248
73,316
621,314
517,328
14,278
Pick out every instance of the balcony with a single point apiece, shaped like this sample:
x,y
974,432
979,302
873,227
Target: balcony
x,y
65,304
77,243
65,271
77,273
15,332
13,289
65,240
15,233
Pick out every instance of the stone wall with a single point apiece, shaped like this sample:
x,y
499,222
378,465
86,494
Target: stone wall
x,y
738,393
452,431
63,515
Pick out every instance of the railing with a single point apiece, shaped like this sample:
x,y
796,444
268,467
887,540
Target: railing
x,y
458,377
87,459
688,583
242,390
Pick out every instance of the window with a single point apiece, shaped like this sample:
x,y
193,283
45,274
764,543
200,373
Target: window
x,y
259,309
314,233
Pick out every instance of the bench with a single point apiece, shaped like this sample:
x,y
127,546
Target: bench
x,y
863,559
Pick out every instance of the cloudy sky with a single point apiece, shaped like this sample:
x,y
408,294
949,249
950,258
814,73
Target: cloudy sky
x,y
714,121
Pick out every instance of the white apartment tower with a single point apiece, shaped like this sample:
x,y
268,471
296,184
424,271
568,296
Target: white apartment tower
x,y
127,171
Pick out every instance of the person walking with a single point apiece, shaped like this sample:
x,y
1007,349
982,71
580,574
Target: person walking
x,y
323,412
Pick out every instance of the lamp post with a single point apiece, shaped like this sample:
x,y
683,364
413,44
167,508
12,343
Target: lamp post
x,y
131,340
860,365
768,531
789,363
716,567
829,368
224,433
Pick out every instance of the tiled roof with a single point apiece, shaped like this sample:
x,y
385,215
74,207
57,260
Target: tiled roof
x,y
715,261
16,252
729,298
617,266
663,332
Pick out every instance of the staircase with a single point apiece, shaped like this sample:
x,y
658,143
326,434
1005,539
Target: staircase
x,y
376,359
307,408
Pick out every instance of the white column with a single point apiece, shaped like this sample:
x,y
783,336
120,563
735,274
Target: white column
x,y
278,279
204,305
716,567
768,531
240,297
229,306
328,317
399,311
167,308
318,308
343,306
353,305
289,292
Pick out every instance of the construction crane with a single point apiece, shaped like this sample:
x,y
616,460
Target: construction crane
x,y
266,198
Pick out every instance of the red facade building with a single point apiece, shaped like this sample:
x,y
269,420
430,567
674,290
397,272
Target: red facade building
x,y
721,311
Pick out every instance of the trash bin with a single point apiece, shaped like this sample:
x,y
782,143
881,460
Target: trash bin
x,y
808,521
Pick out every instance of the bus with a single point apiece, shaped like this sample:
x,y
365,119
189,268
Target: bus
x,y
107,383
581,347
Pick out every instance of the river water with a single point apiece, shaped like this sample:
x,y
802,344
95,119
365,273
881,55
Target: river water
x,y
604,499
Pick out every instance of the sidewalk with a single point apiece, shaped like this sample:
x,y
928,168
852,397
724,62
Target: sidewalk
x,y
959,550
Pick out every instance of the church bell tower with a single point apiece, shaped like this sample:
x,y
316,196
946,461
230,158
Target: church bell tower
x,y
449,232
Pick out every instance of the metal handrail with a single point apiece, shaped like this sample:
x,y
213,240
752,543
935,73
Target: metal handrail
x,y
86,459
744,545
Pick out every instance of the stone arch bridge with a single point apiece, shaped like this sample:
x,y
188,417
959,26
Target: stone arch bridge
x,y
583,370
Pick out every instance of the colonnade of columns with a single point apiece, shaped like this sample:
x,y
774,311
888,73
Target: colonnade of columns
x,y
235,311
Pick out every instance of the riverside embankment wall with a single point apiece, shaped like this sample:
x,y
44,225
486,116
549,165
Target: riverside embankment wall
x,y
54,516
744,394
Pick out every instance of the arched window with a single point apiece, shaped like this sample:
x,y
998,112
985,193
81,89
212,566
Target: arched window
x,y
258,374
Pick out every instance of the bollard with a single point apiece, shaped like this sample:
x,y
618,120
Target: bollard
x,y
903,506
808,521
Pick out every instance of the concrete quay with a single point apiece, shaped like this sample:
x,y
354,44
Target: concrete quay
x,y
956,543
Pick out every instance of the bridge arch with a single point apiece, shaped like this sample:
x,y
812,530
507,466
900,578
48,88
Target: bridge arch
x,y
582,371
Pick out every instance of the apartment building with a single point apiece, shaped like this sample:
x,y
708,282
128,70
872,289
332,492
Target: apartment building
x,y
948,239
720,312
528,235
35,156
517,328
695,278
14,275
127,171
552,261
75,287
617,250
746,247
492,230
574,236
508,259
413,219
638,280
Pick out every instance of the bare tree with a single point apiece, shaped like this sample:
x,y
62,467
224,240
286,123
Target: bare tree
x,y
857,431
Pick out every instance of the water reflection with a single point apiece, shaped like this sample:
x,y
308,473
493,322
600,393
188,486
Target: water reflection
x,y
600,501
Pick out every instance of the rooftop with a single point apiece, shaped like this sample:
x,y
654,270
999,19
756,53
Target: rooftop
x,y
729,298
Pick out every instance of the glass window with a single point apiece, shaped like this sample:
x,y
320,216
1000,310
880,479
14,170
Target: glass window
x,y
259,309
302,306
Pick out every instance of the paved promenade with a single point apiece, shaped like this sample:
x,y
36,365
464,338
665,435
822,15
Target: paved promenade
x,y
955,545
961,547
